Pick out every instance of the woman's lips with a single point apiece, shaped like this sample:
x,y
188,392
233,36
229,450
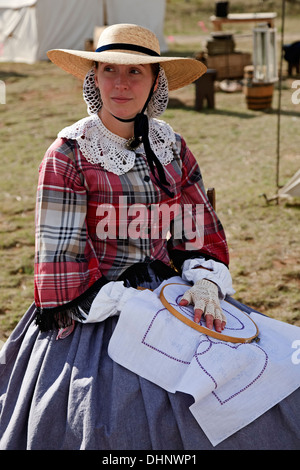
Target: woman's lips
x,y
120,99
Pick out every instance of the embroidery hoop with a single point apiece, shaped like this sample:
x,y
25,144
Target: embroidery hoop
x,y
203,329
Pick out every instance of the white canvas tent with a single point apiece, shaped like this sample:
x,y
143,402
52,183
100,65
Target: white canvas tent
x,y
292,187
29,28
147,13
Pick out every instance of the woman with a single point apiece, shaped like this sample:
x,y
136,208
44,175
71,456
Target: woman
x,y
100,183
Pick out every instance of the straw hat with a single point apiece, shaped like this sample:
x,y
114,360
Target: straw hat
x,y
128,44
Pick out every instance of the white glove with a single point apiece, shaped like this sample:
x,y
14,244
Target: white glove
x,y
204,296
213,271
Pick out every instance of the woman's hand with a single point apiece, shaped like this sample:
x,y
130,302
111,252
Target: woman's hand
x,y
204,296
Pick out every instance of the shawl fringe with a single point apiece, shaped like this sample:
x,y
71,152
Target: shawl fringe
x,y
62,315
141,273
136,275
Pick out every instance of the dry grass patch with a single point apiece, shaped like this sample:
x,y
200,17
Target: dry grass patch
x,y
235,147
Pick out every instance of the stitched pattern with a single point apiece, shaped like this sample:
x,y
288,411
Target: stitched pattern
x,y
201,354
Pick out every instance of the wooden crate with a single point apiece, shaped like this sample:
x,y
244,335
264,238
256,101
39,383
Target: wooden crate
x,y
220,46
229,65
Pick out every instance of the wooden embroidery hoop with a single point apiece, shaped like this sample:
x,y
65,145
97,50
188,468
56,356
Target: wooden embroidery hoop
x,y
202,329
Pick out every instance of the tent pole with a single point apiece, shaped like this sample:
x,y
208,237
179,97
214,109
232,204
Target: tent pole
x,y
279,94
104,13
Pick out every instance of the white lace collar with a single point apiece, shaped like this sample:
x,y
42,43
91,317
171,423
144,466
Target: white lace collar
x,y
100,146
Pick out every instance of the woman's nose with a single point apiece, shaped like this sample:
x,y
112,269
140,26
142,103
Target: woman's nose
x,y
121,80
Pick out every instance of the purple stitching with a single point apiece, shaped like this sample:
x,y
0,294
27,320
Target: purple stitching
x,y
156,349
222,402
196,354
199,363
187,310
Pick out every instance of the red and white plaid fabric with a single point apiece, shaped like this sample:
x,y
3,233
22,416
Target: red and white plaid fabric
x,y
70,256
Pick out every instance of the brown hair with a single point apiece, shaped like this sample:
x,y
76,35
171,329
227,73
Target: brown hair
x,y
154,67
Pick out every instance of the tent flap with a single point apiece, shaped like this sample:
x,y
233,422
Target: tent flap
x,y
18,38
29,28
292,187
16,4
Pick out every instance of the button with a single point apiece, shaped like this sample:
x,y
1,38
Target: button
x,y
147,178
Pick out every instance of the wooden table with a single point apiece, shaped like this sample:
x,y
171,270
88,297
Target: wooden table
x,y
243,18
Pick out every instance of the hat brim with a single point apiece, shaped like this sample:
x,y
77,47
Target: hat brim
x,y
179,71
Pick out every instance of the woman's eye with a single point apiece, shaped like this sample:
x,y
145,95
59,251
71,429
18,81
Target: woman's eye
x,y
135,71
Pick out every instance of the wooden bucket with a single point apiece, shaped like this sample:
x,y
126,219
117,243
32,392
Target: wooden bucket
x,y
259,96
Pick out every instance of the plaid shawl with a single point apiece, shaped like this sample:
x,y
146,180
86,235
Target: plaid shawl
x,y
72,260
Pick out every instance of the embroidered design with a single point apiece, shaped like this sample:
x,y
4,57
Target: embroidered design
x,y
100,146
253,373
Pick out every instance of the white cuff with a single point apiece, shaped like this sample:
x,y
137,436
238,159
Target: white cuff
x,y
109,301
215,272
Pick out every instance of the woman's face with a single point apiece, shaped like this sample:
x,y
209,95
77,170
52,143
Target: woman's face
x,y
124,88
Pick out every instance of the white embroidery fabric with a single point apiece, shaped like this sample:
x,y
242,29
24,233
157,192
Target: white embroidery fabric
x,y
100,146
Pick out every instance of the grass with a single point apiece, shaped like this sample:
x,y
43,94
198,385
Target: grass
x,y
235,147
40,99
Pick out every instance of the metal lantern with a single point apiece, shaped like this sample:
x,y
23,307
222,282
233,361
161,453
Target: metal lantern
x,y
264,54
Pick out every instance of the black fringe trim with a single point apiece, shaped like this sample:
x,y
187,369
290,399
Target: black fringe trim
x,y
141,274
61,316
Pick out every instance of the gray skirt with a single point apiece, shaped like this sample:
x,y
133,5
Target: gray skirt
x,y
69,395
